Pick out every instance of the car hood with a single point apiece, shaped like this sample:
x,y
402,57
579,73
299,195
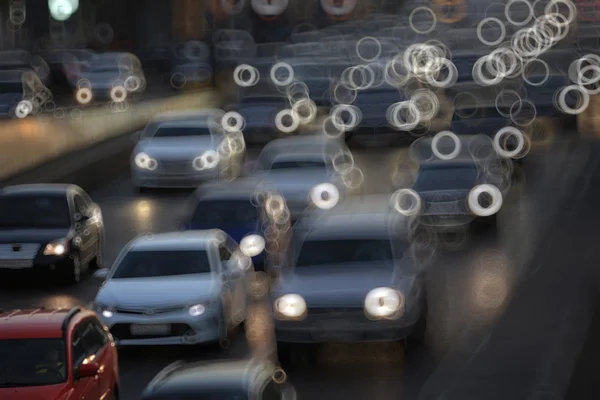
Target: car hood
x,y
175,148
33,235
54,392
158,292
335,285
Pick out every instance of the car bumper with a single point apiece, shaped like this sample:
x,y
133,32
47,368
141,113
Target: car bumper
x,y
50,264
184,181
331,328
184,329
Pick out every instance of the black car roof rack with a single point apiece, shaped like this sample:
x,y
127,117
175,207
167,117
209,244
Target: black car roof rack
x,y
69,317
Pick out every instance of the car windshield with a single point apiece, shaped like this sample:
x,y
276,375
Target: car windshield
x,y
181,131
452,178
218,213
34,212
293,164
345,251
32,362
153,264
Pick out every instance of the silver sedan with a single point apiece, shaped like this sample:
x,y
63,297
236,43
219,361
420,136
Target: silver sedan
x,y
183,149
174,288
352,278
307,171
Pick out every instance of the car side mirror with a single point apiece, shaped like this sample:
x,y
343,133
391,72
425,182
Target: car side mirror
x,y
87,370
102,273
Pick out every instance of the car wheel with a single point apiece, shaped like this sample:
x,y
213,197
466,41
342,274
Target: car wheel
x,y
74,270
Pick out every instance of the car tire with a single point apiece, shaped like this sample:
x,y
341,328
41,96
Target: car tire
x,y
73,273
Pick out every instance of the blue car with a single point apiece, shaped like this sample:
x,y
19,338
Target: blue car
x,y
231,207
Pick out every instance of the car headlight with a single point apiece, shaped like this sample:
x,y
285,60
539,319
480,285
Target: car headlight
x,y
197,310
252,245
325,196
407,202
144,161
384,303
291,306
492,200
208,160
56,247
103,310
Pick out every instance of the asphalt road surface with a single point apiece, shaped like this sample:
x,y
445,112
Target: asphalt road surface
x,y
468,286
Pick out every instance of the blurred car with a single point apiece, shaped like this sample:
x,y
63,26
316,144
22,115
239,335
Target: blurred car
x,y
234,208
107,76
64,65
22,77
179,150
351,276
56,355
168,289
53,228
294,166
259,113
449,194
227,380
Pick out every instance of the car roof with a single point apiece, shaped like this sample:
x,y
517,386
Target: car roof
x,y
185,240
38,188
38,323
355,218
227,374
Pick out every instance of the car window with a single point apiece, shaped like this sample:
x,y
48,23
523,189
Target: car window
x,y
32,362
325,252
78,347
30,211
225,213
181,131
153,264
89,340
459,178
102,334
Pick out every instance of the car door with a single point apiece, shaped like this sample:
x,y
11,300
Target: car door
x,y
103,358
85,228
234,280
84,388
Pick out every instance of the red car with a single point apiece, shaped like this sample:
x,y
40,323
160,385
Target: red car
x,y
56,355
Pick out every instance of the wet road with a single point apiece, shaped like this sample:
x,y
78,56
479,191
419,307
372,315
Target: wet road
x,y
468,289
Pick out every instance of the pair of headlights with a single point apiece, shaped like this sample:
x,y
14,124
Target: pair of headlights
x,y
380,303
408,202
195,311
208,160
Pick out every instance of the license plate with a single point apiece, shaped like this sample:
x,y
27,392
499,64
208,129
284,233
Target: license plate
x,y
150,329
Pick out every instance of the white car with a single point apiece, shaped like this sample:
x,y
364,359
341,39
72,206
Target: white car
x,y
175,288
182,150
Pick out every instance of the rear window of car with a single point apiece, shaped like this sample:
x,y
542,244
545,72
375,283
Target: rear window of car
x,y
32,362
154,264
